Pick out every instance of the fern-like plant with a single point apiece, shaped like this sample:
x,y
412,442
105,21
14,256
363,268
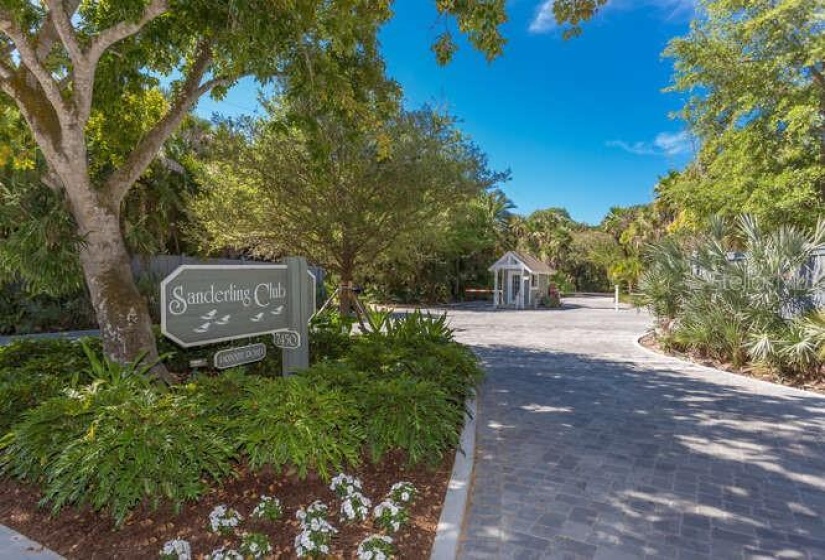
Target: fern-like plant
x,y
293,422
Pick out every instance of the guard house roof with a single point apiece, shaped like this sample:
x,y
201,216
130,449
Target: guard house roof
x,y
515,260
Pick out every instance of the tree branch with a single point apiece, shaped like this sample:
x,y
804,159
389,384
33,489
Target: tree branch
x,y
39,128
29,60
48,33
122,30
63,27
119,183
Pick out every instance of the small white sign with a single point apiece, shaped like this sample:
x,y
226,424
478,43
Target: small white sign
x,y
286,339
232,357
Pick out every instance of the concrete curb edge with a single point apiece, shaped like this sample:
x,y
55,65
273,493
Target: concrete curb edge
x,y
448,533
14,546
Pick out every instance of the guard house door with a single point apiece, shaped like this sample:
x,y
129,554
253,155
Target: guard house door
x,y
514,288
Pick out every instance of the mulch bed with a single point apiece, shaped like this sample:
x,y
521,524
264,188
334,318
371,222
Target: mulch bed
x,y
81,533
816,385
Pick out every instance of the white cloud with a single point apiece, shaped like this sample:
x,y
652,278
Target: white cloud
x,y
544,20
667,144
674,143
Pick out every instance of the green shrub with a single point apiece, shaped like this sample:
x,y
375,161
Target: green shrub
x,y
54,356
451,366
337,375
34,370
330,336
377,355
112,445
153,446
458,371
410,414
417,326
732,306
32,446
292,422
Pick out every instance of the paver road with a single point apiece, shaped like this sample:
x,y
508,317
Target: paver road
x,y
589,447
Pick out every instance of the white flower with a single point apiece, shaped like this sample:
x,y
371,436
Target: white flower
x,y
224,553
343,485
317,510
375,547
255,545
269,507
389,515
223,519
355,507
177,549
402,492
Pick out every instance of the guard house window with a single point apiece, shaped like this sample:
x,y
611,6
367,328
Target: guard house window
x,y
534,281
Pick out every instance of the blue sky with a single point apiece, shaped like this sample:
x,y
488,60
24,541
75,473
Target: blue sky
x,y
581,124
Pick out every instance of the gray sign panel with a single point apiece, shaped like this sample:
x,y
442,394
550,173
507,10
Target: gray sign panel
x,y
203,304
232,357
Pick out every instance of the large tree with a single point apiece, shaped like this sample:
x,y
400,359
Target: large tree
x,y
754,71
77,70
336,192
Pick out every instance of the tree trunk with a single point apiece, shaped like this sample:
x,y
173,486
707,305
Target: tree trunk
x,y
122,314
346,303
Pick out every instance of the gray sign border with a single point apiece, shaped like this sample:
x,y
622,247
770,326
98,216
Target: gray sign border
x,y
185,267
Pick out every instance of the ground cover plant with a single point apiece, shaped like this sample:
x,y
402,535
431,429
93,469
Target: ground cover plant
x,y
108,440
742,296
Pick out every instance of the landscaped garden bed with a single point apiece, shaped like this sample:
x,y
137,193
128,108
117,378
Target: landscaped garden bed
x,y
83,533
742,299
122,465
650,342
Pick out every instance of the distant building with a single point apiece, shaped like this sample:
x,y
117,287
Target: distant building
x,y
520,281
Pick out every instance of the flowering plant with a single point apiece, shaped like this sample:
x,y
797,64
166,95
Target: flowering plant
x,y
268,508
255,545
224,553
402,493
316,532
343,485
316,510
177,549
223,519
389,516
355,507
375,547
313,540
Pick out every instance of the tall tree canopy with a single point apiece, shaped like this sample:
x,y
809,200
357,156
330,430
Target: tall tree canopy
x,y
754,73
346,204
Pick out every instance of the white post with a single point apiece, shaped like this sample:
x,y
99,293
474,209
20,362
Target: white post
x,y
616,298
495,289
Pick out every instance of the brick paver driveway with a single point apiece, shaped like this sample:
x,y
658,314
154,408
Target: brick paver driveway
x,y
589,447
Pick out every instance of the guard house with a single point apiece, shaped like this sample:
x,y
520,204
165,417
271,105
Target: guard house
x,y
520,281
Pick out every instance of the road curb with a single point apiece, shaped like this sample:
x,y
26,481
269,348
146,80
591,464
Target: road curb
x,y
14,546
445,546
730,375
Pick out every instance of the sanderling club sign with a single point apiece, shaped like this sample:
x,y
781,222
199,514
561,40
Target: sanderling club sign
x,y
206,304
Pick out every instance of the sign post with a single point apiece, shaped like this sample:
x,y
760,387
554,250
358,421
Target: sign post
x,y
296,359
205,304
